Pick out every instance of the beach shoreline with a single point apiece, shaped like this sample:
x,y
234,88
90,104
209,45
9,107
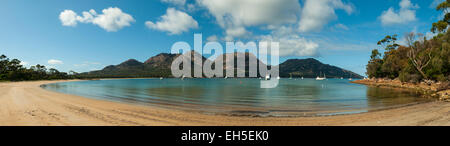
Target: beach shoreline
x,y
27,104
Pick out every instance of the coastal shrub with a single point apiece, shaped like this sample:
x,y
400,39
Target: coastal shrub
x,y
407,77
443,86
420,59
415,78
394,62
440,77
11,70
374,69
404,77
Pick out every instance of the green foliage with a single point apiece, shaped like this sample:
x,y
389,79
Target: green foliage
x,y
11,70
394,62
421,59
441,25
409,74
375,54
433,54
388,43
374,68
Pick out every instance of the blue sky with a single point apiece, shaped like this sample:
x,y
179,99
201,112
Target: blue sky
x,y
55,33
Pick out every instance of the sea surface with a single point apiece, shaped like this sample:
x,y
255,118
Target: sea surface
x,y
244,97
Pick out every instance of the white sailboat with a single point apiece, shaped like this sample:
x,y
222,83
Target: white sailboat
x,y
226,77
321,78
267,77
161,78
182,78
278,78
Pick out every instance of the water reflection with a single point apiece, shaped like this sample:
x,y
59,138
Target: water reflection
x,y
243,96
387,97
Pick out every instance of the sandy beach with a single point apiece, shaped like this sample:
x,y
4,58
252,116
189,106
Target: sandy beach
x,y
27,104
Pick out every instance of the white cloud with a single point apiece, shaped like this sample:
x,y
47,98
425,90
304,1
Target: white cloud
x,y
175,2
88,17
54,62
430,35
236,32
24,63
291,43
235,15
112,19
407,13
317,13
174,22
50,66
212,38
294,45
191,7
183,5
252,12
68,18
340,44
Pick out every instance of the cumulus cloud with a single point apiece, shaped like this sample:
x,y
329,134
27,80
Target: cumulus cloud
x,y
68,18
175,2
284,21
112,19
430,35
24,63
291,43
54,62
407,13
212,38
174,22
317,13
294,45
87,17
233,32
252,12
235,15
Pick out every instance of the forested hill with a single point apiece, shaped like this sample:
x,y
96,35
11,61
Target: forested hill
x,y
159,66
311,68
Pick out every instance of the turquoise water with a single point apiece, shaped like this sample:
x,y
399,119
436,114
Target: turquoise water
x,y
292,97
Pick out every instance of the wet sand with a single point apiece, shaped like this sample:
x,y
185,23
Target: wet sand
x,y
27,104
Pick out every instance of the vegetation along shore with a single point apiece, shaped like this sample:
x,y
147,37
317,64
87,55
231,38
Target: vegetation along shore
x,y
422,64
437,90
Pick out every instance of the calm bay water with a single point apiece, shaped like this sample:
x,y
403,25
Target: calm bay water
x,y
292,97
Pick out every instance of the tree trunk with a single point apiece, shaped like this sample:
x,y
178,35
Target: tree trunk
x,y
421,72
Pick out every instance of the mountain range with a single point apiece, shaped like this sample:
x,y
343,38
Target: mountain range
x,y
159,66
